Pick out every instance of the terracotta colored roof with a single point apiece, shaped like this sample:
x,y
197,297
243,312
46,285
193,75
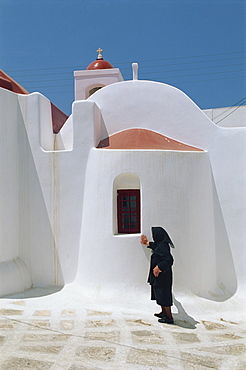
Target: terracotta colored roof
x,y
8,83
143,139
99,64
58,117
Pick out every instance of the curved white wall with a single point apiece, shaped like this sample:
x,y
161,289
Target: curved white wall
x,y
154,106
167,110
177,193
57,195
41,194
9,175
14,275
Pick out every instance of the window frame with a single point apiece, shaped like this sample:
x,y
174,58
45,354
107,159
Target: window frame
x,y
131,212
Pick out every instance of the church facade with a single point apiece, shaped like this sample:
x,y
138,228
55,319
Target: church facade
x,y
76,195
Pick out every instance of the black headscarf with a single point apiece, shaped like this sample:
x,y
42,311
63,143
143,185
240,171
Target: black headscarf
x,y
162,241
160,235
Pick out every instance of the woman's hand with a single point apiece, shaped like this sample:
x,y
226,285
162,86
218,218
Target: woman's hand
x,y
156,271
144,240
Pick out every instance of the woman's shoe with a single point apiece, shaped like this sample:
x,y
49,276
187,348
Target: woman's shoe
x,y
161,315
165,320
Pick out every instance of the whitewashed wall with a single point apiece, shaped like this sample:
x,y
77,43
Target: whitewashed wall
x,y
41,193
228,116
54,188
167,110
14,272
85,80
176,193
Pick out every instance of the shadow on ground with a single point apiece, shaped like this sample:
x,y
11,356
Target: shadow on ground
x,y
182,319
34,292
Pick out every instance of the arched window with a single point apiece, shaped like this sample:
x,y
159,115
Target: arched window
x,y
127,204
90,90
128,211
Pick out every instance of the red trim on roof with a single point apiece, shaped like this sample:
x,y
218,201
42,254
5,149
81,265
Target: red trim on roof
x,y
5,84
143,139
58,117
12,84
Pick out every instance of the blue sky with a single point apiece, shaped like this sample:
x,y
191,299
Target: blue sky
x,y
196,45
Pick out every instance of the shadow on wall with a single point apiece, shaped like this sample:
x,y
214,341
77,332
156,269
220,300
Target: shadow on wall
x,y
226,274
203,262
38,226
103,133
224,279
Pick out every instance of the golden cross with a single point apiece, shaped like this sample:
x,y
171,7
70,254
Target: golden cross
x,y
99,50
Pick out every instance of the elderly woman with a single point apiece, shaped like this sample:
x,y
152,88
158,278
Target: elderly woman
x,y
160,274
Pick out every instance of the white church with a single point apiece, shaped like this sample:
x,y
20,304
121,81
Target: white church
x,y
77,192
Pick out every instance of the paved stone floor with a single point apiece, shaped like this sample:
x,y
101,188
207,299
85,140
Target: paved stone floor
x,y
59,332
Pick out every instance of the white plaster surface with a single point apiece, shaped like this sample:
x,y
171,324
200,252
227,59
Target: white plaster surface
x,y
36,185
187,210
84,81
167,110
228,117
57,195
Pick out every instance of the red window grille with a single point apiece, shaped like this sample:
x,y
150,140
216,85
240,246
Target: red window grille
x,y
128,211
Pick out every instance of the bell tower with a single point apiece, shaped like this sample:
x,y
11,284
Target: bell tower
x,y
98,74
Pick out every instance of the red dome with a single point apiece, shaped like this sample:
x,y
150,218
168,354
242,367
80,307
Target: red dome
x,y
99,64
136,138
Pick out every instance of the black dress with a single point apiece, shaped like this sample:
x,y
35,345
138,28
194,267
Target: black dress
x,y
161,286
